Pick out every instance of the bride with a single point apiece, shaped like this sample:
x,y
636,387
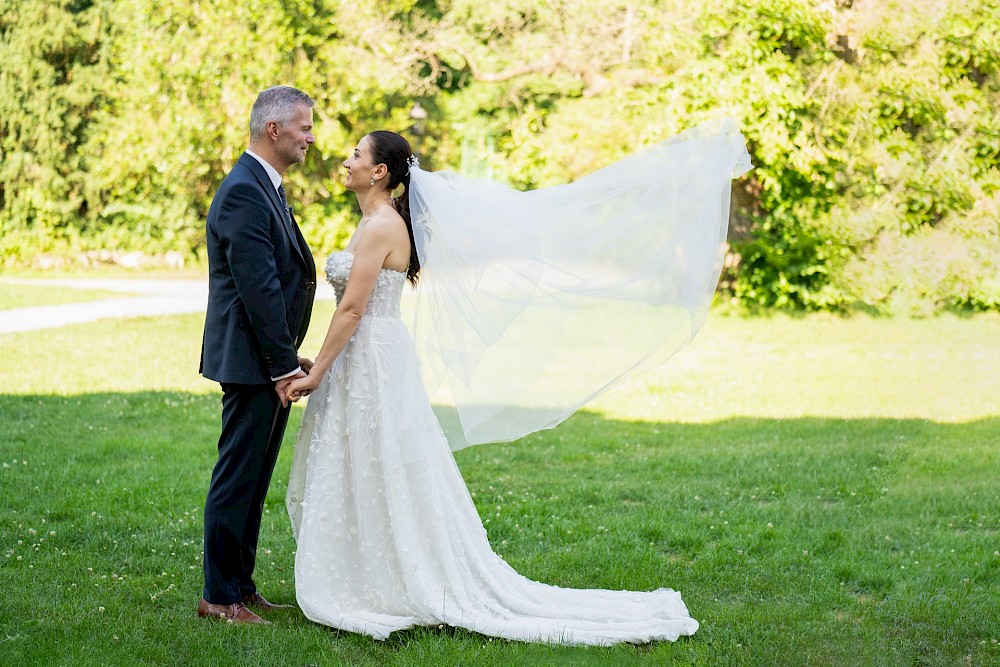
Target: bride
x,y
388,535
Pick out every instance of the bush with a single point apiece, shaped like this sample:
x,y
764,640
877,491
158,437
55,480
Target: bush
x,y
873,126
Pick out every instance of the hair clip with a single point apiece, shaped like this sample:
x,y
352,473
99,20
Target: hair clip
x,y
413,162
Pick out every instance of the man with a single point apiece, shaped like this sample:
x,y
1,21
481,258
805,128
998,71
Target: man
x,y
262,281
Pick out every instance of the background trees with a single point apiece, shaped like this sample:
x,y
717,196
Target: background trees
x,y
874,126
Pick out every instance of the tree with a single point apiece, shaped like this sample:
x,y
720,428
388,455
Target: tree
x,y
873,125
53,83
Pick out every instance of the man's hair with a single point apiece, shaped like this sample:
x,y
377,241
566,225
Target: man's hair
x,y
278,104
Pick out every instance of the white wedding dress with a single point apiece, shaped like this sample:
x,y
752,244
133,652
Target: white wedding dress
x,y
388,536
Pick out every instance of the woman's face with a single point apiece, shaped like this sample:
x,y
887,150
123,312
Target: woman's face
x,y
359,167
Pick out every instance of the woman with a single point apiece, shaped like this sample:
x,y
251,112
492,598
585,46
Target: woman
x,y
388,536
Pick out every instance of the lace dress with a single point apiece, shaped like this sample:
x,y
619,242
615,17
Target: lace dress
x,y
388,536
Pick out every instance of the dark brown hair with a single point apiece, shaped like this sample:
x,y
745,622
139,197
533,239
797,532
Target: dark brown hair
x,y
394,151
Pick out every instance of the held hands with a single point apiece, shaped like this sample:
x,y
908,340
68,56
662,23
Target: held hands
x,y
302,386
281,387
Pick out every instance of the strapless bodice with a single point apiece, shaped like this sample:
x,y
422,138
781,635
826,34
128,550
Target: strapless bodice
x,y
384,301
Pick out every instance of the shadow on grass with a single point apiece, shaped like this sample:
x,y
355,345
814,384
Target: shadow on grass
x,y
783,535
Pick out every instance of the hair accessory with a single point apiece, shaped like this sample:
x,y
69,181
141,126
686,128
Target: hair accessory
x,y
413,161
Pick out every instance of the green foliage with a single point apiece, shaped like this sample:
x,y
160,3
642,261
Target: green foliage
x,y
52,85
873,126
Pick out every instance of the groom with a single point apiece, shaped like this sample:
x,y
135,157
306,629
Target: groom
x,y
262,281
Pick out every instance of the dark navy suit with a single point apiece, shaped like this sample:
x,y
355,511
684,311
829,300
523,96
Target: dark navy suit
x,y
262,282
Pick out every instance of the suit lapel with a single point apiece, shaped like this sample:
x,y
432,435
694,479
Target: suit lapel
x,y
303,247
298,243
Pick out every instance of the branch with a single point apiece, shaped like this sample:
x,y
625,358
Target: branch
x,y
547,64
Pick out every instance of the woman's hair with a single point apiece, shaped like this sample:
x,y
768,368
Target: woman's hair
x,y
394,152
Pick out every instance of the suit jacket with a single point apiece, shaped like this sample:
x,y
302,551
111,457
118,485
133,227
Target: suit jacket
x,y
262,281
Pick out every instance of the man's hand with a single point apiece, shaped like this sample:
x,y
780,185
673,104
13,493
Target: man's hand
x,y
306,364
302,386
281,387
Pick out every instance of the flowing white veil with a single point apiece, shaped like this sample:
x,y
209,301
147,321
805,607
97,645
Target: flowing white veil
x,y
532,303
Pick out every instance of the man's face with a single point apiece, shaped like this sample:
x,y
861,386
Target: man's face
x,y
294,139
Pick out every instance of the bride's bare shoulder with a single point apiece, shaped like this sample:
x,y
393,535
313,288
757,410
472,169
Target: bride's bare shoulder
x,y
388,223
386,233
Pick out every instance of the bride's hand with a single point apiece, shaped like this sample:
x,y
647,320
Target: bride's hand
x,y
302,387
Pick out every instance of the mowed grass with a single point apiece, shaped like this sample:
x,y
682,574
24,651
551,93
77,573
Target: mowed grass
x,y
19,295
822,492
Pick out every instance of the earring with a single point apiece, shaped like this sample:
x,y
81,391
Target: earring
x,y
372,181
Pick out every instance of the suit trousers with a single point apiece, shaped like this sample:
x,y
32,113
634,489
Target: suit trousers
x,y
253,423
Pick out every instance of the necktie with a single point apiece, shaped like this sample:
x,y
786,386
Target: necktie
x,y
288,220
284,202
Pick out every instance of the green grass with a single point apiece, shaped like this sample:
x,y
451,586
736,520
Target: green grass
x,y
822,492
192,270
16,295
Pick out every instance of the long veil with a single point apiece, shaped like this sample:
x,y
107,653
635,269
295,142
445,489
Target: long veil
x,y
530,304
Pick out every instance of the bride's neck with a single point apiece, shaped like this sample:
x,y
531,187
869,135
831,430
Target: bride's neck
x,y
371,200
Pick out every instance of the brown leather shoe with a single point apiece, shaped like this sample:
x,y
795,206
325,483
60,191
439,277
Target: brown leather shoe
x,y
257,600
236,612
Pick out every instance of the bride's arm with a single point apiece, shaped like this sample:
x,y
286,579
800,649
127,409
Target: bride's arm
x,y
373,248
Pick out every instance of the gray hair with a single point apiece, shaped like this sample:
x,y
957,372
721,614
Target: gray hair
x,y
278,104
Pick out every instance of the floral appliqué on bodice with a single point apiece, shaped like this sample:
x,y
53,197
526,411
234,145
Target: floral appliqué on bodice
x,y
384,300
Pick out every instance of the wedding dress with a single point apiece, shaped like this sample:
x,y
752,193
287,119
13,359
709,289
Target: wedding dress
x,y
623,263
388,535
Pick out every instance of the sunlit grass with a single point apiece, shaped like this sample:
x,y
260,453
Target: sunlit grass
x,y
821,491
18,295
192,270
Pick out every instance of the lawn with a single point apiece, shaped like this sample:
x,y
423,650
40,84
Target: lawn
x,y
17,295
822,492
